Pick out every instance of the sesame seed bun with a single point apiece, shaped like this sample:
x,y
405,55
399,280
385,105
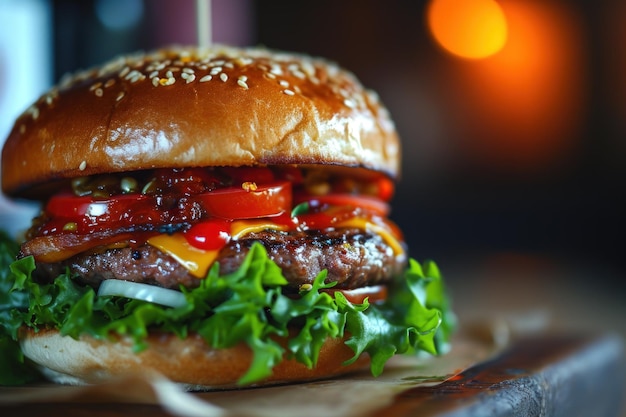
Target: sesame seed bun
x,y
186,107
189,362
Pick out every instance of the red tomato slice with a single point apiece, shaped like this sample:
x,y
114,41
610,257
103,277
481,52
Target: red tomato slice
x,y
368,203
69,206
385,188
373,294
266,200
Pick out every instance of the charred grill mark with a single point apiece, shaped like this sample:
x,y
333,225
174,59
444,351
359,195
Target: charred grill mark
x,y
352,258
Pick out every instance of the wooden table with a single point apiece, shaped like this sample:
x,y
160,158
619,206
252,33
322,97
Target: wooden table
x,y
543,375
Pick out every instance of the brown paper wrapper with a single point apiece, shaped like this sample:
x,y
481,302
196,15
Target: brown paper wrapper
x,y
356,394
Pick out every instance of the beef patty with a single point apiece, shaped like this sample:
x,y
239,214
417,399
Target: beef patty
x,y
353,259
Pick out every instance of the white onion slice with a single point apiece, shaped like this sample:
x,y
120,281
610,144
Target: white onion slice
x,y
145,292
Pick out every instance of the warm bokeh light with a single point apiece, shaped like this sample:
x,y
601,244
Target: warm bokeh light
x,y
468,28
522,108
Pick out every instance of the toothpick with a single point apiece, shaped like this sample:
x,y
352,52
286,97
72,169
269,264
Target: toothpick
x,y
203,21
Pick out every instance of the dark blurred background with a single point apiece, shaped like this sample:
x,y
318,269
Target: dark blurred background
x,y
514,159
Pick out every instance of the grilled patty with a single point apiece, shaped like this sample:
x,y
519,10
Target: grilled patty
x,y
353,259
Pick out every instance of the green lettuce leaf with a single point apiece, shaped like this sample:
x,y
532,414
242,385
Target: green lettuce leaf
x,y
13,368
246,306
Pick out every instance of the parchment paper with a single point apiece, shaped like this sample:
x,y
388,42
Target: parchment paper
x,y
353,395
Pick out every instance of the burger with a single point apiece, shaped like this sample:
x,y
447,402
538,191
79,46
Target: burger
x,y
216,215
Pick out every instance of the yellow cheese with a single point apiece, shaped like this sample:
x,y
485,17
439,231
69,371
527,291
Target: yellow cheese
x,y
240,228
197,261
387,236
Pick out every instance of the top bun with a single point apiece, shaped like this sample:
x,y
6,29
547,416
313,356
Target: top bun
x,y
191,107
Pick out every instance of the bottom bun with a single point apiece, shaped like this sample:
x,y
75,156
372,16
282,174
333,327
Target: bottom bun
x,y
189,362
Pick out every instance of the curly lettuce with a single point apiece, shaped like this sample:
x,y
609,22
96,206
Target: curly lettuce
x,y
246,306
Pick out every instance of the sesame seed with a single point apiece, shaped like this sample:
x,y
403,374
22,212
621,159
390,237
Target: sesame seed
x,y
350,103
206,78
82,165
120,95
155,81
190,78
242,83
123,72
109,83
299,74
184,75
223,77
133,75
308,68
169,74
66,80
215,70
99,92
242,61
284,83
153,74
188,71
95,86
289,92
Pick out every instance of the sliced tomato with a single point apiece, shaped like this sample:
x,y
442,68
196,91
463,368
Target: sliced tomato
x,y
247,202
385,188
374,294
251,202
368,203
67,205
319,220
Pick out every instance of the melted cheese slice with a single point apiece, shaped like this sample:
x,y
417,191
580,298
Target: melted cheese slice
x,y
240,228
198,261
387,236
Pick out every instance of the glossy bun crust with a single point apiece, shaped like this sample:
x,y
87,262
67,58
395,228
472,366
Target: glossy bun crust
x,y
187,107
188,362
